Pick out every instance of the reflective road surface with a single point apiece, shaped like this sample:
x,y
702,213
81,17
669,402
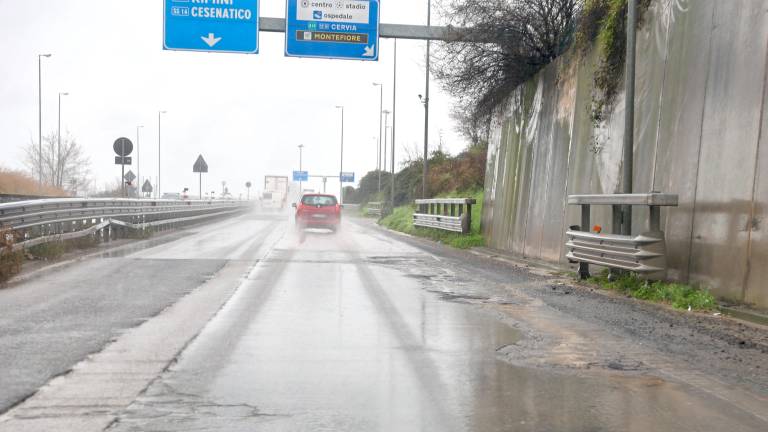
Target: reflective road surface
x,y
363,331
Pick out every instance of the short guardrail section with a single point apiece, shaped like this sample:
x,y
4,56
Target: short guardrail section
x,y
41,221
450,214
644,253
373,209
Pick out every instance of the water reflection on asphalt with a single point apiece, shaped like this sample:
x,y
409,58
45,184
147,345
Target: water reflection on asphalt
x,y
334,332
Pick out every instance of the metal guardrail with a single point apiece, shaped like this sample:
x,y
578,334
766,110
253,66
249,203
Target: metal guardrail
x,y
4,198
644,254
374,209
449,214
41,221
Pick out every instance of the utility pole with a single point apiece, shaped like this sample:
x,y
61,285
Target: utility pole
x,y
59,167
341,164
301,156
629,115
424,189
159,140
378,151
138,162
386,136
394,117
40,119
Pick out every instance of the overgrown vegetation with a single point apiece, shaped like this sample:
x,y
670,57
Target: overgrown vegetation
x,y
10,260
605,21
20,183
401,220
463,172
48,251
677,295
522,37
64,162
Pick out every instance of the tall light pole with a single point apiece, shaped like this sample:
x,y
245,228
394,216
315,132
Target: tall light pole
x,y
159,140
394,119
378,151
301,157
386,136
341,164
424,190
376,145
138,162
59,166
629,116
40,118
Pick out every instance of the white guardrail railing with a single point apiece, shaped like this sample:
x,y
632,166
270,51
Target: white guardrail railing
x,y
374,209
449,214
41,221
644,253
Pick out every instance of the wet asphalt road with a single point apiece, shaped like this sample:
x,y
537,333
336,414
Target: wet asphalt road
x,y
52,322
365,330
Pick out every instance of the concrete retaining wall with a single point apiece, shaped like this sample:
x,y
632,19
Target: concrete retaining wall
x,y
701,132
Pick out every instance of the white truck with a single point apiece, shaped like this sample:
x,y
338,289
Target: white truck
x,y
275,195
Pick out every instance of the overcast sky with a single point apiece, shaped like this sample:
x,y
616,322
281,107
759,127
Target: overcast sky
x,y
245,113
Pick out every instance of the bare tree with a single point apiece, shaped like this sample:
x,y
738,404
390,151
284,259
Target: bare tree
x,y
66,167
523,36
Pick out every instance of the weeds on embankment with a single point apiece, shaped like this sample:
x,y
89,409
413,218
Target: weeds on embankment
x,y
10,260
679,296
401,220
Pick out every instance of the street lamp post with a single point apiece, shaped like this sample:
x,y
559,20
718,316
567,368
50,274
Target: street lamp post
x,y
376,146
341,164
386,135
138,162
424,190
301,157
378,151
159,140
394,120
40,118
59,166
629,115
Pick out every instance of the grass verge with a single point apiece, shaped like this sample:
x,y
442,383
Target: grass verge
x,y
679,296
401,220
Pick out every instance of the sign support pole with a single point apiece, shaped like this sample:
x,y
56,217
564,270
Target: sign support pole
x,y
122,167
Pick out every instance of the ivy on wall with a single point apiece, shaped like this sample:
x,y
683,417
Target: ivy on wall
x,y
605,22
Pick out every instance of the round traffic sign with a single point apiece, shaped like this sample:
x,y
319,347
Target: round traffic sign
x,y
123,146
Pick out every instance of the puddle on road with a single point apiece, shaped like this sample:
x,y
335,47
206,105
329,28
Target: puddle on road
x,y
407,345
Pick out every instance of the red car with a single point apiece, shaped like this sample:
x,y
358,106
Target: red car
x,y
318,211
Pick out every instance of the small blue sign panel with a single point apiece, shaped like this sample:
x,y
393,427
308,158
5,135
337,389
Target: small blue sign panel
x,y
338,29
347,177
211,25
300,176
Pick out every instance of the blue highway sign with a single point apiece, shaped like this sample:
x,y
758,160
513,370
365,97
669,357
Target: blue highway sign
x,y
347,177
300,176
339,29
211,25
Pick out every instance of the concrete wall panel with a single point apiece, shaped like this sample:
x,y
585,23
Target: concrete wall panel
x,y
683,99
755,290
701,133
729,146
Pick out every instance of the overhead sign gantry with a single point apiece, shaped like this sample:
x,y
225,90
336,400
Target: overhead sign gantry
x,y
338,29
211,25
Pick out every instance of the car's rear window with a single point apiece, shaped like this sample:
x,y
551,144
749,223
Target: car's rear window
x,y
318,200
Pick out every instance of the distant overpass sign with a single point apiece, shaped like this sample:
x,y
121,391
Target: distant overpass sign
x,y
347,177
300,176
338,29
211,25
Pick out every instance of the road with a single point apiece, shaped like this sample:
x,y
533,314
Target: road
x,y
244,325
